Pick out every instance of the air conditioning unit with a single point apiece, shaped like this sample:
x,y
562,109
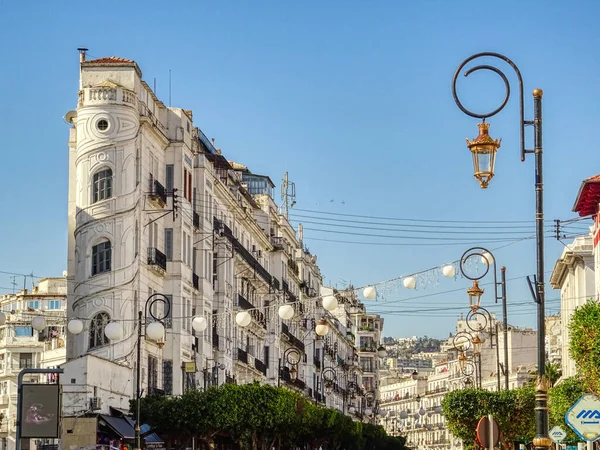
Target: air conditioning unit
x,y
95,403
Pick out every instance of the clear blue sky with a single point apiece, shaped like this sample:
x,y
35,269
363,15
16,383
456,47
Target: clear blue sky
x,y
352,98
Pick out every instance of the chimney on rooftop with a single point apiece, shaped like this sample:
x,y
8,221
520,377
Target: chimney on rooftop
x,y
82,51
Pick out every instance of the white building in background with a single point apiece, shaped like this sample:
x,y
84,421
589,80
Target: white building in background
x,y
574,275
155,208
22,346
411,403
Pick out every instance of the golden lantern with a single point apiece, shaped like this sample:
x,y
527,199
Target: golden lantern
x,y
483,149
475,294
477,342
462,360
293,374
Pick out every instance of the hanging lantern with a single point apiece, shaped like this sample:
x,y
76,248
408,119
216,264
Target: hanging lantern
x,y
330,303
483,149
477,342
370,293
199,324
462,360
286,312
75,326
293,373
422,412
449,271
475,293
243,319
409,282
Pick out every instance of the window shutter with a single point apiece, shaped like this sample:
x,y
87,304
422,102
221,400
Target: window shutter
x,y
170,172
169,243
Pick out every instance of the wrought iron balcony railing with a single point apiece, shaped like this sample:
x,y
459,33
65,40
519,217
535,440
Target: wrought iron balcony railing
x,y
157,258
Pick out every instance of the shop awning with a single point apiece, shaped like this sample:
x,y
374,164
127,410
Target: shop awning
x,y
119,425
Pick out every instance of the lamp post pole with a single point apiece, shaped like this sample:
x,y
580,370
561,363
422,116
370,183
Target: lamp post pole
x,y
142,321
485,147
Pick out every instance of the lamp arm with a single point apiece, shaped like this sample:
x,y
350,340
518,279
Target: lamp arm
x,y
522,121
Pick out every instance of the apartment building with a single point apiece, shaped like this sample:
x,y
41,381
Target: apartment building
x,y
24,346
157,211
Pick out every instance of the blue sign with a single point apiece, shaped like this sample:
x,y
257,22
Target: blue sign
x,y
584,417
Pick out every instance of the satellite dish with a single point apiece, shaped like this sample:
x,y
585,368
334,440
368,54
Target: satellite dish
x,y
65,273
70,116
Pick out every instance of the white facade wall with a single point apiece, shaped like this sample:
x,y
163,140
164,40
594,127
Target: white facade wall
x,y
575,276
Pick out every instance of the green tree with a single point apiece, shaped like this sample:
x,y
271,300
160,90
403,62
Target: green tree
x,y
584,347
562,397
512,409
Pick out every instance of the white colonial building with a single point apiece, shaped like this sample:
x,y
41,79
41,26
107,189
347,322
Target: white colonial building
x,y
155,209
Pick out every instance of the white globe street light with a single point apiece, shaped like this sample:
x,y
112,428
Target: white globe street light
x,y
75,326
370,293
409,282
38,323
286,312
199,324
155,331
243,319
449,271
487,258
330,303
113,331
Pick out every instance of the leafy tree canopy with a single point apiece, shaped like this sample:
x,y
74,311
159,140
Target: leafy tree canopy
x,y
584,347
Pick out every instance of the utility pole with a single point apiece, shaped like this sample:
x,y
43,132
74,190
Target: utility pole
x,y
288,195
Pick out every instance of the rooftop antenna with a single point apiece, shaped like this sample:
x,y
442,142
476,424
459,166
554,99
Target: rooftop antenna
x,y
154,89
288,195
169,88
14,283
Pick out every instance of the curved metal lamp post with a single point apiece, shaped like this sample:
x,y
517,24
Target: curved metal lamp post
x,y
292,356
483,149
485,254
142,323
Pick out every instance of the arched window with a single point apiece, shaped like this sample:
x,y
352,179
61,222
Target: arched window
x,y
97,336
101,257
102,185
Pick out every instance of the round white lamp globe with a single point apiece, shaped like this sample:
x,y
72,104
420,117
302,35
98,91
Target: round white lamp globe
x,y
2,318
422,411
286,312
330,303
449,271
243,319
155,331
199,324
75,326
370,293
403,415
113,331
487,258
409,282
368,411
38,323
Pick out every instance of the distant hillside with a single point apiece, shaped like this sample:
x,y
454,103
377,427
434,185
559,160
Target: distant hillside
x,y
406,349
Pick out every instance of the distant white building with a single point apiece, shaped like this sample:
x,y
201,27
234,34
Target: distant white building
x,y
21,346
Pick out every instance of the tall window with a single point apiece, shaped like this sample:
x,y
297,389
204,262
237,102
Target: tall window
x,y
152,374
101,256
102,185
26,361
169,243
168,376
97,336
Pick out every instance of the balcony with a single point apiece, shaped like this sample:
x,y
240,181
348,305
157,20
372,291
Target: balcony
x,y
260,366
196,220
285,330
157,259
195,281
293,267
257,315
158,193
242,356
286,287
277,242
243,252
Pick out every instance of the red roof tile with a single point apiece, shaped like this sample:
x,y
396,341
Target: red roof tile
x,y
110,59
588,197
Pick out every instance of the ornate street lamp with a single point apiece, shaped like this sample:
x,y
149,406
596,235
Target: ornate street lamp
x,y
541,440
477,342
484,148
475,293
